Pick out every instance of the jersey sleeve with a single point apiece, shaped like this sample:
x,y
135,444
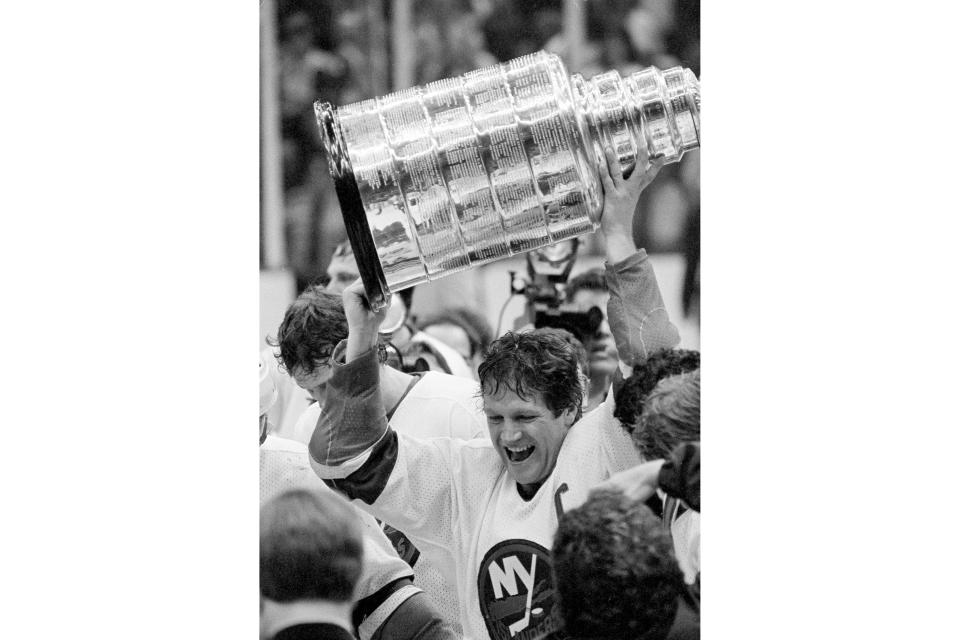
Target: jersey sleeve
x,y
416,618
404,481
636,313
616,447
353,421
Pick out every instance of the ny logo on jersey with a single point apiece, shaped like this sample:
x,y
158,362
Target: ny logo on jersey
x,y
516,593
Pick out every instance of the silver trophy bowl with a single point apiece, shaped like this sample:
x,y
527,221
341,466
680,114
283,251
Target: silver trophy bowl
x,y
499,161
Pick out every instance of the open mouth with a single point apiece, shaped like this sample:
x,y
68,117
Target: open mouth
x,y
518,454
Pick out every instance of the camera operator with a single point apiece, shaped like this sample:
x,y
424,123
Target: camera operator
x,y
584,292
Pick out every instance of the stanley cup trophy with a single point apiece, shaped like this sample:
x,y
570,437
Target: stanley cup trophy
x,y
503,160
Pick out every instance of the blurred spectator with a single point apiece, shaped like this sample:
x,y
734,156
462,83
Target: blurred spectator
x,y
338,51
311,555
463,329
615,571
448,40
514,29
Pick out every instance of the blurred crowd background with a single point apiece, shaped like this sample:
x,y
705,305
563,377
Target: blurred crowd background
x,y
343,51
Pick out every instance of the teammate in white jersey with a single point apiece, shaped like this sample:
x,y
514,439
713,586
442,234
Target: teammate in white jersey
x,y
494,504
425,405
388,606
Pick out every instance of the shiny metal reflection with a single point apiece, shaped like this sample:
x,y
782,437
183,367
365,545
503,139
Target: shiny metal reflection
x,y
502,160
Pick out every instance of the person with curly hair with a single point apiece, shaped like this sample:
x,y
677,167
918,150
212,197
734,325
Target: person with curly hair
x,y
386,605
493,503
427,404
632,393
616,575
671,416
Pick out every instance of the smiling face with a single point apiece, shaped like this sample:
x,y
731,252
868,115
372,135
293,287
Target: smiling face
x,y
526,433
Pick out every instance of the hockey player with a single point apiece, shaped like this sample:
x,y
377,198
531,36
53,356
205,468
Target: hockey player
x,y
389,606
495,504
425,404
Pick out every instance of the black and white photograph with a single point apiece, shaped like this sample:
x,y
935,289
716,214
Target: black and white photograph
x,y
467,238
480,294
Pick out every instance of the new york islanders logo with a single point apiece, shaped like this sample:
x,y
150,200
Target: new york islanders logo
x,y
516,592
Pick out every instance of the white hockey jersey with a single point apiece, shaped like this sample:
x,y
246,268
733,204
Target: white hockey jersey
x,y
439,405
284,465
458,496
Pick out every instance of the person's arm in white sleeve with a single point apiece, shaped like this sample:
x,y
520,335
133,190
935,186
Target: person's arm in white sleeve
x,y
406,482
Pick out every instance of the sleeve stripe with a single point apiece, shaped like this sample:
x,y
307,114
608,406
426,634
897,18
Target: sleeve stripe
x,y
369,481
339,471
369,626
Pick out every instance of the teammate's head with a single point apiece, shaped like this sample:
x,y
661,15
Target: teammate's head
x,y
342,270
615,570
312,327
531,396
661,364
671,416
587,290
311,547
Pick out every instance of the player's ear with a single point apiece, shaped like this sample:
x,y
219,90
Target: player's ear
x,y
569,417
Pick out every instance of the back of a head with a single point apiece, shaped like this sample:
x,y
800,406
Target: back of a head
x,y
311,547
632,394
311,328
614,569
533,363
671,416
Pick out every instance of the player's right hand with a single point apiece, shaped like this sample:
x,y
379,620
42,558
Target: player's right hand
x,y
363,324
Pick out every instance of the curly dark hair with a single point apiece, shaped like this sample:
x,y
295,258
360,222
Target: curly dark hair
x,y
311,328
631,395
311,547
614,570
531,363
671,416
574,343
